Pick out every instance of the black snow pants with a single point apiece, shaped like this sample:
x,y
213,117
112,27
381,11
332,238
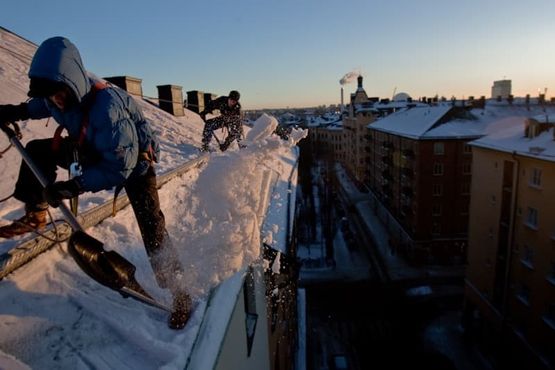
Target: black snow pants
x,y
233,124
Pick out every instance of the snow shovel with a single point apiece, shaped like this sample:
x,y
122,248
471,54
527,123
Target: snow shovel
x,y
108,268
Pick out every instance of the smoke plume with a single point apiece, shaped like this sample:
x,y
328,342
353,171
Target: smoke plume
x,y
349,77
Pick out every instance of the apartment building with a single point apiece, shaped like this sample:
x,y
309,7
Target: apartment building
x,y
419,170
510,285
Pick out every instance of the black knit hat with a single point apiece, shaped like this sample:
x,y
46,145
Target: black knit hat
x,y
43,87
234,94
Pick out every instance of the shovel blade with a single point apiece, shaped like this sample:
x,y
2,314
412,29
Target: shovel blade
x,y
108,268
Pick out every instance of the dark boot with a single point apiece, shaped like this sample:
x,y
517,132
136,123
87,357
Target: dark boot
x,y
182,307
34,219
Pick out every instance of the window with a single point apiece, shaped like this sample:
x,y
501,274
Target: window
x,y
465,188
532,218
523,294
549,317
251,317
436,228
439,149
536,178
436,210
528,257
464,208
437,190
438,169
551,275
467,149
467,168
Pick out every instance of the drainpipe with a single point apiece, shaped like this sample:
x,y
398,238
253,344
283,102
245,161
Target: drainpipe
x,y
504,308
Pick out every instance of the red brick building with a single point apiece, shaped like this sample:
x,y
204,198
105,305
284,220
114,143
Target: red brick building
x,y
419,172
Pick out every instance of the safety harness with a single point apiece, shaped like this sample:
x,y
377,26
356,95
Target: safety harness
x,y
86,106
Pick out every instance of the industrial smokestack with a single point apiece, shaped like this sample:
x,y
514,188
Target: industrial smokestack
x,y
342,104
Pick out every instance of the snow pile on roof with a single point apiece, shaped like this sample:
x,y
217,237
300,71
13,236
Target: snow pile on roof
x,y
220,213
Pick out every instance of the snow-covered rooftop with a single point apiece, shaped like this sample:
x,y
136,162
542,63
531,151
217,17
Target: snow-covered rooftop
x,y
55,316
413,122
427,122
507,135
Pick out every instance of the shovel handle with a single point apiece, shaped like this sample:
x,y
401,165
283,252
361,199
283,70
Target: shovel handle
x,y
13,136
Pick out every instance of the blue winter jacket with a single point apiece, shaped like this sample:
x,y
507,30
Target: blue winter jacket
x,y
117,129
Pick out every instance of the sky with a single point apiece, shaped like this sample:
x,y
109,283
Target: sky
x,y
292,53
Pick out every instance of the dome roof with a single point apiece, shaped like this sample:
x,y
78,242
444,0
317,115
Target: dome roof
x,y
401,97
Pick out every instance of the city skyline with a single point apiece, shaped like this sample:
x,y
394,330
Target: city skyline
x,y
293,54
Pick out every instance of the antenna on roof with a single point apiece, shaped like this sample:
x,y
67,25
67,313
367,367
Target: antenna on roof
x,y
394,91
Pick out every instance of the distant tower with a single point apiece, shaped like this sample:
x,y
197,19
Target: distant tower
x,y
342,102
360,95
359,79
501,88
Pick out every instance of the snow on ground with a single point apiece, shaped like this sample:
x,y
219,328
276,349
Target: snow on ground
x,y
54,316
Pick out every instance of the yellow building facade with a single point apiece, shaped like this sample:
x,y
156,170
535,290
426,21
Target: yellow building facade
x,y
510,280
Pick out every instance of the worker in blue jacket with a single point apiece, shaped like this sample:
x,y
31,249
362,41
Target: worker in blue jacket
x,y
115,147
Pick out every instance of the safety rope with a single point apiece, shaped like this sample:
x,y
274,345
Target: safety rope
x,y
5,150
6,198
40,233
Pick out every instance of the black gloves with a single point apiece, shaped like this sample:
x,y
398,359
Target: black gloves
x,y
12,113
56,192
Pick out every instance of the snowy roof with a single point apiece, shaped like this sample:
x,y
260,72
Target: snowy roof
x,y
325,120
55,316
426,122
413,122
507,135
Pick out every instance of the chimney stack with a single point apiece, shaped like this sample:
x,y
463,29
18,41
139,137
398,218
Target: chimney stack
x,y
130,84
170,98
342,103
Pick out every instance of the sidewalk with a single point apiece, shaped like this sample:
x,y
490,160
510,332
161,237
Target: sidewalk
x,y
397,267
349,265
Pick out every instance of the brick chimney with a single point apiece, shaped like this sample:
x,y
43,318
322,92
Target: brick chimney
x,y
130,84
170,99
195,101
